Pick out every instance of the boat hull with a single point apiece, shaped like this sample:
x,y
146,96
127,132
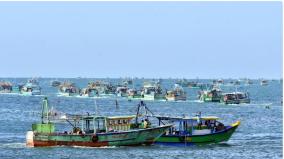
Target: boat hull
x,y
66,94
128,138
217,137
153,97
177,98
239,101
30,93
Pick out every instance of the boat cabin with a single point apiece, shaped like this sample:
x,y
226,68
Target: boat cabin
x,y
235,95
100,124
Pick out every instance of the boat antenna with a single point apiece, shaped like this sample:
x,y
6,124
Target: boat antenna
x,y
96,108
140,106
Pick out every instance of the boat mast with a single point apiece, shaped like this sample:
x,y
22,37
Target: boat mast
x,y
44,113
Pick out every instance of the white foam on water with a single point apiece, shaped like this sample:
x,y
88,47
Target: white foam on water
x,y
13,145
102,147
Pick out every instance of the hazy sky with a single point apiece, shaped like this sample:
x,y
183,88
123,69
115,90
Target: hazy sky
x,y
141,39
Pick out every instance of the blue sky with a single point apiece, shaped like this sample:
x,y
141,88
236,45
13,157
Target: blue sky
x,y
141,39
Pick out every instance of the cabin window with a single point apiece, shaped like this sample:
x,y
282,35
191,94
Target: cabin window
x,y
119,121
125,122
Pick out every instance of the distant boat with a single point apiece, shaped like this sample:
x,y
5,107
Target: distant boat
x,y
31,88
248,81
183,82
134,94
152,91
127,82
177,94
213,95
235,98
121,91
237,82
264,82
55,83
6,87
89,92
103,88
92,131
68,89
220,81
192,84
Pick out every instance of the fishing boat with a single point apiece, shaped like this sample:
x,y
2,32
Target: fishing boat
x,y
264,82
94,89
31,88
213,95
220,81
55,83
152,91
177,94
196,130
91,131
103,88
237,82
68,89
235,98
193,84
6,87
127,82
248,82
89,92
182,82
121,91
133,94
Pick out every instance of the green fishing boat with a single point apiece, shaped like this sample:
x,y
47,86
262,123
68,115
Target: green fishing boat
x,y
133,94
152,91
213,95
102,89
91,130
195,131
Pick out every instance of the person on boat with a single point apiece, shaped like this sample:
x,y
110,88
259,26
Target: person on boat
x,y
145,124
148,124
199,122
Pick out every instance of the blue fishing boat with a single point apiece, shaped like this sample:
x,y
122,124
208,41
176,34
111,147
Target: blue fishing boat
x,y
196,130
31,88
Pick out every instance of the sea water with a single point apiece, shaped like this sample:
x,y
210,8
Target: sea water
x,y
258,136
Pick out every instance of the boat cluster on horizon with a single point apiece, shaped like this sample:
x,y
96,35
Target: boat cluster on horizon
x,y
151,90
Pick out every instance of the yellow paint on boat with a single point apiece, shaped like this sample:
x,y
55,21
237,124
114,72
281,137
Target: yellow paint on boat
x,y
237,123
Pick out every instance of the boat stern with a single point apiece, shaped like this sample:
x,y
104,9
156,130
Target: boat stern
x,y
30,139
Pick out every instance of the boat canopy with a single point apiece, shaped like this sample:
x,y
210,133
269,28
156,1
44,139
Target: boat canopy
x,y
186,118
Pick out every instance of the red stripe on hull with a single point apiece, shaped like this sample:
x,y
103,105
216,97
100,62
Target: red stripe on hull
x,y
69,143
